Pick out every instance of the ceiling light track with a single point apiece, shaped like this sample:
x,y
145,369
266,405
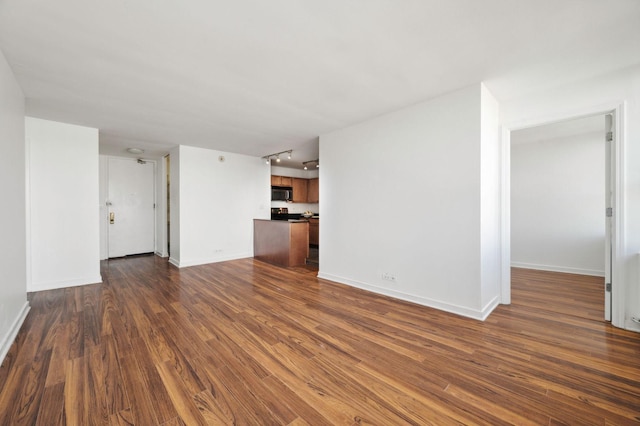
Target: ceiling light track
x,y
316,162
276,155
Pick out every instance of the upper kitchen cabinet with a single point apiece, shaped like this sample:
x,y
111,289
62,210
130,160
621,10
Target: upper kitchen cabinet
x,y
300,190
281,181
304,190
313,191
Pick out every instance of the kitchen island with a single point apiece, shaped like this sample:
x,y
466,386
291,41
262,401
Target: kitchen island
x,y
281,242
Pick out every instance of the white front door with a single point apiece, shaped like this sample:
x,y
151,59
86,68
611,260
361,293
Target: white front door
x,y
130,207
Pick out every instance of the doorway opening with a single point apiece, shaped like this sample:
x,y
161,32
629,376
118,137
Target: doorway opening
x,y
613,214
558,204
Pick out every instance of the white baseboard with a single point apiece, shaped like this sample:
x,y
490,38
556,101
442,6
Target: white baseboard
x,y
7,340
204,261
554,268
52,285
476,314
632,325
489,307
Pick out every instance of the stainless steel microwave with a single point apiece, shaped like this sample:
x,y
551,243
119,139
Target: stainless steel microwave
x,y
281,193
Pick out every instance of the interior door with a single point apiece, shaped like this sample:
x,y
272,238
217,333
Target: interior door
x,y
609,197
130,207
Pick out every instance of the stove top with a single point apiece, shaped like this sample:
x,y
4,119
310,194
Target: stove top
x,y
279,213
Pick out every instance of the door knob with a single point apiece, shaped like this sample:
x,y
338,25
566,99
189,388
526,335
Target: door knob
x,y
112,217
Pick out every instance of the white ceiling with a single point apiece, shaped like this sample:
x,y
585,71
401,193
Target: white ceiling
x,y
562,129
257,77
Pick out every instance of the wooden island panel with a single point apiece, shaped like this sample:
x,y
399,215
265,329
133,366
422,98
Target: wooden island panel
x,y
281,242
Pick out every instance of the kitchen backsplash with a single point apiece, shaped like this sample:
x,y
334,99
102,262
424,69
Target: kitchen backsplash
x,y
297,207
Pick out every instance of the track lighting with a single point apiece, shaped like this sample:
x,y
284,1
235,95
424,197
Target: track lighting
x,y
267,158
317,162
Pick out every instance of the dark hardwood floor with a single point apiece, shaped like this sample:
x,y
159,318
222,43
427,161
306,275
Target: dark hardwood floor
x,y
243,342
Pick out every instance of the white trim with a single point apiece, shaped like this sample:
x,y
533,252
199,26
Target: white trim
x,y
505,216
162,241
618,307
53,285
476,314
204,261
27,202
619,242
555,268
9,338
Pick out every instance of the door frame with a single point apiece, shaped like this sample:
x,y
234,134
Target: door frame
x,y
617,182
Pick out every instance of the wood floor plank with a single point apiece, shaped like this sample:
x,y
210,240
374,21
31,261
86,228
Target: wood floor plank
x,y
244,342
75,408
22,406
208,407
308,414
59,356
182,400
104,381
140,410
51,410
151,382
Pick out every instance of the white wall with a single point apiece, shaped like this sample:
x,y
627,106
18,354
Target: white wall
x,y
313,172
557,204
13,251
426,159
103,168
218,202
490,201
64,205
586,97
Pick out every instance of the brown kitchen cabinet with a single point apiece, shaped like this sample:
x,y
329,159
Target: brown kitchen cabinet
x,y
281,181
304,190
313,191
314,231
299,190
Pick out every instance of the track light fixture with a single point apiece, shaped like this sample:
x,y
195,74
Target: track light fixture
x,y
317,162
267,158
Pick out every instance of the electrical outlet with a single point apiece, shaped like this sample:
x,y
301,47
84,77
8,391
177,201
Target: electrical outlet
x,y
217,251
388,277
